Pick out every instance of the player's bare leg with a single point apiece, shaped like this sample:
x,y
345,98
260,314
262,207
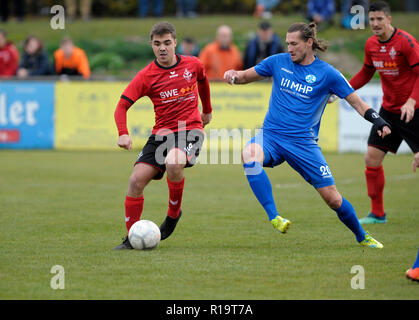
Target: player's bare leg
x,y
331,196
253,153
347,215
253,157
415,162
141,175
176,161
374,174
374,157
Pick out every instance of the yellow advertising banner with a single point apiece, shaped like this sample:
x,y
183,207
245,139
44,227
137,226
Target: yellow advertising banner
x,y
328,134
84,115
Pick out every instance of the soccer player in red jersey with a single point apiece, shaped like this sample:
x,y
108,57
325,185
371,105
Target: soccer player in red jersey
x,y
172,82
394,53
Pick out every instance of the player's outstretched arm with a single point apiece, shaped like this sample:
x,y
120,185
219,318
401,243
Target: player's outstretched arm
x,y
362,77
242,77
383,128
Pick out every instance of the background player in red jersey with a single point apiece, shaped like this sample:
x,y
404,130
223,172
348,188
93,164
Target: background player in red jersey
x,y
395,55
172,82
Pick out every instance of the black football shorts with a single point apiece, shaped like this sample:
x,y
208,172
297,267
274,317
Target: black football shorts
x,y
157,147
400,130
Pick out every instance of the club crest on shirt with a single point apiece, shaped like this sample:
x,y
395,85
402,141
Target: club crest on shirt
x,y
392,53
187,75
311,78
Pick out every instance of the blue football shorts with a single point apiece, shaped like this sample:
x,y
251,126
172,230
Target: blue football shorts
x,y
302,154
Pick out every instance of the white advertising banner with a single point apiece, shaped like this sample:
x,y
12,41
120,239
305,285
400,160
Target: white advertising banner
x,y
353,129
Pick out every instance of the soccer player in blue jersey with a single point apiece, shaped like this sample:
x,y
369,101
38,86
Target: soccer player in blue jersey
x,y
302,85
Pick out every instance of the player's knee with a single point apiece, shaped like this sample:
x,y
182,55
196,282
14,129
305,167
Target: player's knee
x,y
372,159
334,201
369,160
175,162
332,197
175,158
246,156
174,168
136,183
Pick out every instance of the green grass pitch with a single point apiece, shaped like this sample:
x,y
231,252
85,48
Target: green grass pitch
x,y
66,208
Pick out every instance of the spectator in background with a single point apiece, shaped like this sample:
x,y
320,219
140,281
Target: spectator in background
x,y
85,9
321,12
188,47
347,16
143,6
186,8
9,56
71,60
34,59
264,7
263,45
221,54
19,6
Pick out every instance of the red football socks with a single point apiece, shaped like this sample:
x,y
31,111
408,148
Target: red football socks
x,y
175,197
133,210
375,187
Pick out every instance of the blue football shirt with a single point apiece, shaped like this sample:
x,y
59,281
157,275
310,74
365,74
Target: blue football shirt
x,y
299,94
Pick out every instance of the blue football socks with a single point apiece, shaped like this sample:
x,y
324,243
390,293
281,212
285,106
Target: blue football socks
x,y
261,187
347,215
416,264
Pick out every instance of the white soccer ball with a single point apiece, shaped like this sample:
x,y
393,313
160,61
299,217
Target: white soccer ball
x,y
144,234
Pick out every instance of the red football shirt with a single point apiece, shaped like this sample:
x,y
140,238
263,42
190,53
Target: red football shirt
x,y
397,61
173,91
9,60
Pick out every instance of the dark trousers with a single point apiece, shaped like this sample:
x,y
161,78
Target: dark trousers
x,y
5,10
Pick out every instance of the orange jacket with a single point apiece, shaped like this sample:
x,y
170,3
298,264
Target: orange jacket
x,y
76,64
216,61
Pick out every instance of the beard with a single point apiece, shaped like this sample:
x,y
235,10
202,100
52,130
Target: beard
x,y
303,56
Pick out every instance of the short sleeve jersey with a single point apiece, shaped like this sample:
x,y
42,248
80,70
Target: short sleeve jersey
x,y
173,91
299,94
